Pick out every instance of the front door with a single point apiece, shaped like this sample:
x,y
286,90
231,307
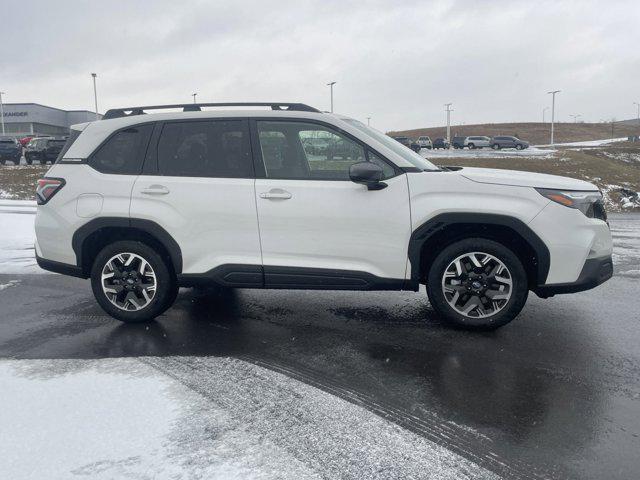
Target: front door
x,y
317,228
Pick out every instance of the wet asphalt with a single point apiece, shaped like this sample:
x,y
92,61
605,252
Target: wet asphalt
x,y
554,394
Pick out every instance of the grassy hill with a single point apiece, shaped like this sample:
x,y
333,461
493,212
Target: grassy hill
x,y
535,133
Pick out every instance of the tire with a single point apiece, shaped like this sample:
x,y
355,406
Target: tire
x,y
518,147
129,281
471,146
479,317
495,146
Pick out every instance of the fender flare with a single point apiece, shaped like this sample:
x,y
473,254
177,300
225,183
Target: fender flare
x,y
149,227
436,224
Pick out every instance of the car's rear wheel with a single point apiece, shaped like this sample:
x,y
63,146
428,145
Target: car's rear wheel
x,y
471,146
132,282
477,283
495,146
518,147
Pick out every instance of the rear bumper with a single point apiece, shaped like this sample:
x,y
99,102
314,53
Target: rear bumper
x,y
62,268
594,272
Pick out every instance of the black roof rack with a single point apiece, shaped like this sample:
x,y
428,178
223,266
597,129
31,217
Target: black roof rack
x,y
196,107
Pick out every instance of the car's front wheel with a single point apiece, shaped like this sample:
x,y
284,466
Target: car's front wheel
x,y
132,282
518,147
477,283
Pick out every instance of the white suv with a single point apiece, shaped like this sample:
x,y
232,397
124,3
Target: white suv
x,y
477,142
293,198
424,142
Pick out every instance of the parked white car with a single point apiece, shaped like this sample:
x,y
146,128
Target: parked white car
x,y
477,142
143,204
424,142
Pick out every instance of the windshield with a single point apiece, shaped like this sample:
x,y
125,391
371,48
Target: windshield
x,y
406,153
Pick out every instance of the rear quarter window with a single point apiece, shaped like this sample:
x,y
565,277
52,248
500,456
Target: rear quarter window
x,y
123,153
67,145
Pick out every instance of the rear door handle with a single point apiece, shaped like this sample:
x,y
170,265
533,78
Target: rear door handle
x,y
276,193
155,190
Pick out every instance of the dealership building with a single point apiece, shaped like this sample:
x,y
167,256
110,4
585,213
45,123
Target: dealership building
x,y
33,119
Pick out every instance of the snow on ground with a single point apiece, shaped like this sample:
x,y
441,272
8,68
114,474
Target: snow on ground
x,y
17,253
191,417
627,157
588,143
486,153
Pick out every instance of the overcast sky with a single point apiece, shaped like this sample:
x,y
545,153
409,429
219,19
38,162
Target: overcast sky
x,y
395,61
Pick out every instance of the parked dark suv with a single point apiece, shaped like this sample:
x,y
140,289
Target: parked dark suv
x,y
458,142
440,143
407,142
10,150
43,149
508,142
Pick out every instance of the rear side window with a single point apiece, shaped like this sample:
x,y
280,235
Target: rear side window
x,y
67,145
123,152
213,148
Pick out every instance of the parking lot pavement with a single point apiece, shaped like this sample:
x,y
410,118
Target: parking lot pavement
x,y
309,382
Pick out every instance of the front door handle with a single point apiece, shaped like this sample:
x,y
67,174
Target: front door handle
x,y
155,190
276,193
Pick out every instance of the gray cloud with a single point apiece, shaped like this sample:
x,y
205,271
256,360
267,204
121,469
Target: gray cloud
x,y
397,62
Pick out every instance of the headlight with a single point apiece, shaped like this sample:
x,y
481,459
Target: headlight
x,y
589,203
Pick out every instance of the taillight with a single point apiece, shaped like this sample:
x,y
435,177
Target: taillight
x,y
47,188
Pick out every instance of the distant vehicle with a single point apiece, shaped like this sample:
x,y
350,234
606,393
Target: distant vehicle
x,y
407,142
43,149
477,142
508,142
10,150
424,142
458,142
25,140
440,143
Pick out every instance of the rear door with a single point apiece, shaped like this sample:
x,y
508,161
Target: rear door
x,y
318,229
198,185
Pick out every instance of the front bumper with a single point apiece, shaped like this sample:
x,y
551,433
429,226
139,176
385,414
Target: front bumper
x,y
594,272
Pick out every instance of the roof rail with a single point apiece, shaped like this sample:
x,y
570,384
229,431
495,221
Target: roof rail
x,y
196,107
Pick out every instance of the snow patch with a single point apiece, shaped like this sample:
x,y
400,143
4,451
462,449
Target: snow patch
x,y
487,153
11,283
197,417
588,143
17,253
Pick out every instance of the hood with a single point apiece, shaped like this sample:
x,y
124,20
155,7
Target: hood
x,y
524,179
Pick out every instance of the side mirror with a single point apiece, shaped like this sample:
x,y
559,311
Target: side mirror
x,y
367,173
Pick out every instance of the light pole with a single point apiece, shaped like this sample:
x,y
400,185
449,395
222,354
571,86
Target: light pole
x,y
543,112
448,110
331,84
194,97
1,112
95,93
553,110
368,121
638,105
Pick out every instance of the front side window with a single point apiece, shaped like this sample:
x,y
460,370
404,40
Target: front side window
x,y
215,148
124,152
406,153
299,150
